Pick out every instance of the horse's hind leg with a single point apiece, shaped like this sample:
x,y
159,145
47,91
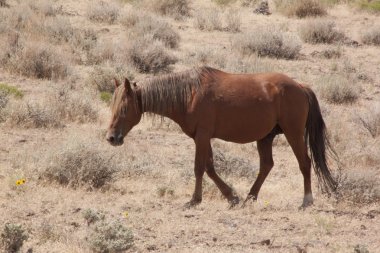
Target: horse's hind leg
x,y
223,187
299,148
264,147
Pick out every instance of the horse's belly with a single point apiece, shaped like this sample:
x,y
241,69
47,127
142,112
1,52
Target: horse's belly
x,y
244,127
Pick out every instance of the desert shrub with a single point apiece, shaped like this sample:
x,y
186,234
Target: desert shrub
x,y
370,120
103,51
28,114
233,20
3,3
332,52
38,60
206,56
372,36
159,30
249,3
338,89
58,29
102,77
110,237
359,187
252,64
268,42
101,11
129,17
11,90
80,164
82,43
208,19
301,8
149,56
227,164
44,7
73,106
177,9
13,237
92,216
3,103
320,31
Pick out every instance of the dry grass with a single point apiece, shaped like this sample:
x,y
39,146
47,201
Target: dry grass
x,y
301,8
370,120
149,56
101,11
80,165
338,89
178,9
268,41
208,20
233,20
372,36
321,31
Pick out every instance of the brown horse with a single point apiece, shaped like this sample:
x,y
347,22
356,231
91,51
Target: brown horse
x,y
207,103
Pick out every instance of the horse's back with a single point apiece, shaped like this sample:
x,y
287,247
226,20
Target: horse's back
x,y
246,107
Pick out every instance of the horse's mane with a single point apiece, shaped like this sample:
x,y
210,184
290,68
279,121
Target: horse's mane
x,y
163,93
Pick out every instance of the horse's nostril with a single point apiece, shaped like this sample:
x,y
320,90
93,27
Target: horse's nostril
x,y
111,139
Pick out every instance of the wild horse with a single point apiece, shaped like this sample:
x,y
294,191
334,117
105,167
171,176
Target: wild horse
x,y
208,103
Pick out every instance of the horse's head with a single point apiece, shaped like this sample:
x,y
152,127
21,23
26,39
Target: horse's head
x,y
125,112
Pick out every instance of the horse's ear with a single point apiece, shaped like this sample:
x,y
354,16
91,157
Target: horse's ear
x,y
127,86
117,84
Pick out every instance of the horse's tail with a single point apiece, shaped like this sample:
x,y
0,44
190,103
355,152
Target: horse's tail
x,y
319,144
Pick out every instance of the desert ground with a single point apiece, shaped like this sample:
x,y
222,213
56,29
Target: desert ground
x,y
65,189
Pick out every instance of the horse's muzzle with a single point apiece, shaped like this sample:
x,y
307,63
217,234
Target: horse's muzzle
x,y
115,140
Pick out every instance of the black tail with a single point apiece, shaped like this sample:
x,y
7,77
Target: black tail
x,y
319,144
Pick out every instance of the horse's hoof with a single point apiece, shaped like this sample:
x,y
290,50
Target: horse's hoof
x,y
192,203
234,201
307,201
250,198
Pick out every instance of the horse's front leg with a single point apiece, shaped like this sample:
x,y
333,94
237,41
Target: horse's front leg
x,y
202,142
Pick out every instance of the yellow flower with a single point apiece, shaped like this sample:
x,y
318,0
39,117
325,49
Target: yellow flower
x,y
126,214
20,181
266,202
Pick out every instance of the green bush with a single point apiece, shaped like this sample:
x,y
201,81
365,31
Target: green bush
x,y
11,90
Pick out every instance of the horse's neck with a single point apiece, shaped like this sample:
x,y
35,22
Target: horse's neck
x,y
174,113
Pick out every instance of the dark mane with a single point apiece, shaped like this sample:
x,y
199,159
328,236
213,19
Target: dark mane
x,y
163,93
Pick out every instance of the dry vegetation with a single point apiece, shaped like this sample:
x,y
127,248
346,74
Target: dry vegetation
x,y
64,189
